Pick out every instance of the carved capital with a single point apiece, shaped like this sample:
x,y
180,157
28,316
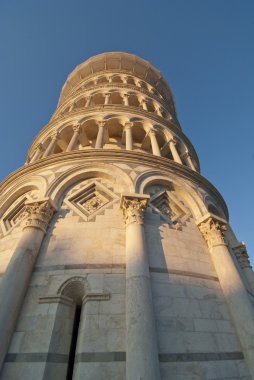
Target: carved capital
x,y
101,124
128,125
76,128
38,214
133,207
213,229
242,256
55,136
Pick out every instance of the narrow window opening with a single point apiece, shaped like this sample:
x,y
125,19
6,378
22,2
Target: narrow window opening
x,y
73,343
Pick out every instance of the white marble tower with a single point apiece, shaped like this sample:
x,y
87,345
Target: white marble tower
x,y
116,257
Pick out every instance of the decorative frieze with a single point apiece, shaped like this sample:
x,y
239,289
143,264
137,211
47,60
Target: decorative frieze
x,y
38,215
133,207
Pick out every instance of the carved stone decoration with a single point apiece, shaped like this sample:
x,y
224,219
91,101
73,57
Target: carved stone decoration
x,y
38,215
242,256
133,208
213,230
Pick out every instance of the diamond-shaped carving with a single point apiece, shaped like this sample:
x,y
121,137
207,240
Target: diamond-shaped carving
x,y
90,200
171,209
12,217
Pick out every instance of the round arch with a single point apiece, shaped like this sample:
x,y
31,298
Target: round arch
x,y
187,193
82,172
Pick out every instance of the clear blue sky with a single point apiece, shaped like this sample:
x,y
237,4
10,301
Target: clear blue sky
x,y
204,49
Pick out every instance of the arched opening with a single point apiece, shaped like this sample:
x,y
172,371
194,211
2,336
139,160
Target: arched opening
x,y
130,80
80,103
116,79
115,133
150,106
133,100
91,131
116,98
138,136
213,209
98,99
102,80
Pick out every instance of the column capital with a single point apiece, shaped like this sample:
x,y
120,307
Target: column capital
x,y
133,206
172,141
152,131
55,135
101,123
76,127
39,147
186,154
212,228
242,256
38,214
128,125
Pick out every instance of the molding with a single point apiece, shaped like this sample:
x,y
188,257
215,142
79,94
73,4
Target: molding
x,y
112,156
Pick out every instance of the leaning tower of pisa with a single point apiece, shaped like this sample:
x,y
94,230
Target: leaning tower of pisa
x,y
116,257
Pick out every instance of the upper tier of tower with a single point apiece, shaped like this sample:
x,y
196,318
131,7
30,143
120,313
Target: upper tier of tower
x,y
115,101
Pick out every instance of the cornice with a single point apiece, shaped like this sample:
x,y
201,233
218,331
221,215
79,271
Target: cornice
x,y
114,156
97,110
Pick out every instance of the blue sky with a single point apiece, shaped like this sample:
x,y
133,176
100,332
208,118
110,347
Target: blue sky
x,y
204,49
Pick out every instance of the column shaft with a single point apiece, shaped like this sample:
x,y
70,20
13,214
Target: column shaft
x,y
50,147
36,154
236,296
100,137
16,278
154,143
88,101
141,340
128,138
107,99
189,161
74,140
174,152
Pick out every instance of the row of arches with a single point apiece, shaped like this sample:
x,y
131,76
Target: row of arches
x,y
115,133
117,97
148,182
120,79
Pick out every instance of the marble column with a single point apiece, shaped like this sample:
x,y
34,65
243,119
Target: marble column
x,y
88,101
36,218
175,154
74,139
242,257
107,98
37,153
51,145
189,161
158,111
154,143
100,136
141,341
128,136
235,293
126,99
72,106
144,104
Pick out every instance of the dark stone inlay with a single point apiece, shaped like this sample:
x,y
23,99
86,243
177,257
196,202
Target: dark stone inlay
x,y
37,358
100,357
184,273
200,357
103,357
123,266
79,266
